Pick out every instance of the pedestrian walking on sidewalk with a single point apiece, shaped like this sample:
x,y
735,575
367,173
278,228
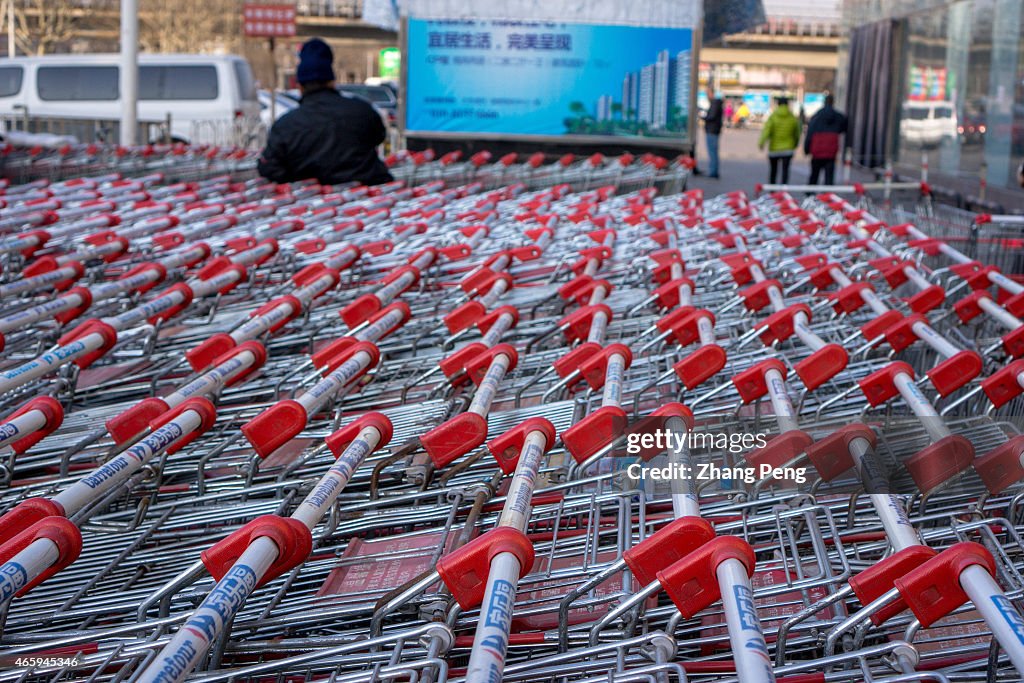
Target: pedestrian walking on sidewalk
x,y
822,141
781,134
712,131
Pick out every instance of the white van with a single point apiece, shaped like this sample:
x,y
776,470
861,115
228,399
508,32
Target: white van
x,y
928,123
208,98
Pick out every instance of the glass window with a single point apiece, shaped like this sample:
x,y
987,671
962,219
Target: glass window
x,y
999,124
930,83
246,83
77,83
973,102
178,83
10,80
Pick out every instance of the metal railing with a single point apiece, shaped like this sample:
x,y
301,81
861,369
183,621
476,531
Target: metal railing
x,y
82,129
246,134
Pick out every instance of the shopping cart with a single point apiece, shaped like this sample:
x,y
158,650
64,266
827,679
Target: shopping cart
x,y
401,432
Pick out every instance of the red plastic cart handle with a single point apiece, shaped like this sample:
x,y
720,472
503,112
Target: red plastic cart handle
x,y
477,366
452,439
25,514
1002,386
187,297
91,326
161,275
780,449
901,334
465,570
876,327
700,365
880,578
666,546
596,367
576,325
573,359
927,299
464,316
850,298
581,295
751,383
831,454
485,323
692,582
340,440
953,373
756,297
781,324
507,448
64,535
293,539
455,363
207,415
360,310
940,462
667,295
53,413
1001,466
822,365
594,432
658,420
880,386
933,590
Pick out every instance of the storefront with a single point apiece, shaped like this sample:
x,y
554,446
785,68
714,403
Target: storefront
x,y
940,83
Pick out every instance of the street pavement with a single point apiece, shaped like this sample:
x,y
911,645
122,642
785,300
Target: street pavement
x,y
742,166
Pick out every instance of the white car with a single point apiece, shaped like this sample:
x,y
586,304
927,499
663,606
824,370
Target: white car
x,y
282,105
928,124
208,98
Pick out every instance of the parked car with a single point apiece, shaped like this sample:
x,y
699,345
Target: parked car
x,y
973,126
928,124
208,98
380,96
282,105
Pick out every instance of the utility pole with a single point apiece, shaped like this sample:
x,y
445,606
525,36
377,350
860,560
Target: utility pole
x,y
12,49
129,71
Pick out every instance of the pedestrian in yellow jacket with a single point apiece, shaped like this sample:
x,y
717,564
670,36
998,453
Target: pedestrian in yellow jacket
x,y
781,133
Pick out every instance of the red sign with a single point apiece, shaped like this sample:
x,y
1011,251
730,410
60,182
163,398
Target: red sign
x,y
269,21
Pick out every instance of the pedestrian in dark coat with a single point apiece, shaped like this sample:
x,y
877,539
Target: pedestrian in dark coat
x,y
822,141
329,137
712,131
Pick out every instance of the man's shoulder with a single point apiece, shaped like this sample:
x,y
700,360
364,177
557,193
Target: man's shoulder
x,y
289,119
351,103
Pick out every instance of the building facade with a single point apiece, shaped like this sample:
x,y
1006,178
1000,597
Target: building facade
x,y
957,85
791,48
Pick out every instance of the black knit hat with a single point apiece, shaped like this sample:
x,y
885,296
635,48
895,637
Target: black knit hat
x,y
315,63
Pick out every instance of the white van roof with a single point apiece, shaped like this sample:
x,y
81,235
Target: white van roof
x,y
113,58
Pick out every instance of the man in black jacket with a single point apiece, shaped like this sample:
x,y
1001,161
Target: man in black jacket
x,y
822,141
712,129
327,137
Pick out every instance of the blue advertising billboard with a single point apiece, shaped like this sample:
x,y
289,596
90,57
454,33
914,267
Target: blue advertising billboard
x,y
508,78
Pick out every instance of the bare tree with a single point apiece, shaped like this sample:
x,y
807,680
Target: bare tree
x,y
189,25
42,26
